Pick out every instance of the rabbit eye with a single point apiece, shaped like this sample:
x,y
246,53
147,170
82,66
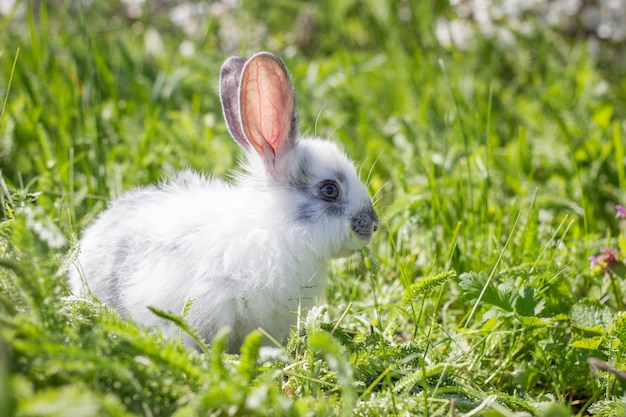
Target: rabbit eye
x,y
329,191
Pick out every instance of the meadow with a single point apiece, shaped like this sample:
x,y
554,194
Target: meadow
x,y
494,287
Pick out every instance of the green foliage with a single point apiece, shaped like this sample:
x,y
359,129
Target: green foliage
x,y
608,408
496,172
425,285
71,400
506,297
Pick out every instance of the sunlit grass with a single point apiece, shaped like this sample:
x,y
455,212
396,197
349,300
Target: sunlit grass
x,y
496,172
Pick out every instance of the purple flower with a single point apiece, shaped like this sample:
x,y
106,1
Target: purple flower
x,y
604,261
621,212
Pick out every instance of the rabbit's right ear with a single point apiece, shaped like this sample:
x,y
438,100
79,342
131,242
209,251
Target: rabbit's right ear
x,y
230,77
267,102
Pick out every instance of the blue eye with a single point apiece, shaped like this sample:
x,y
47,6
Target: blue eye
x,y
329,190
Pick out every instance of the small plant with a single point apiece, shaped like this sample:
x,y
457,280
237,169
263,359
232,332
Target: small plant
x,y
609,263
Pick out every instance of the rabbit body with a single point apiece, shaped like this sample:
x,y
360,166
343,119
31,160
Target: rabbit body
x,y
248,252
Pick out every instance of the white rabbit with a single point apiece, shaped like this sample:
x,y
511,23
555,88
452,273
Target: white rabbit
x,y
249,252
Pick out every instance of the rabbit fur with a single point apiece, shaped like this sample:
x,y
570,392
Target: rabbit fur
x,y
250,251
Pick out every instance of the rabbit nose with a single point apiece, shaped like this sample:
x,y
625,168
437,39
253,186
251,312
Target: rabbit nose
x,y
365,222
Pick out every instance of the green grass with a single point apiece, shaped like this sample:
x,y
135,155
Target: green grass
x,y
496,172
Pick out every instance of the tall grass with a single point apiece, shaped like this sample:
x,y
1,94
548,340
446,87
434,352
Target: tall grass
x,y
496,170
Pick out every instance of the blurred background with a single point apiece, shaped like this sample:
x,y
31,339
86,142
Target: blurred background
x,y
107,95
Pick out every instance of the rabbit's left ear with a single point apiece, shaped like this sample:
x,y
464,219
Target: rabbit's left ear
x,y
266,103
230,78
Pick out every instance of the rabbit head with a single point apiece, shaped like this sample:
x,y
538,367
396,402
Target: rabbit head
x,y
320,184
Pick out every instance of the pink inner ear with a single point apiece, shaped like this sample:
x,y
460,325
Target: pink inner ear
x,y
266,104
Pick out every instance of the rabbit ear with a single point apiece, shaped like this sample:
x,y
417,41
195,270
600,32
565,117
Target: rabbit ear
x,y
230,77
267,104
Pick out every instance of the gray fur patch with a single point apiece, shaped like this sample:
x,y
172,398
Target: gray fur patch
x,y
335,209
318,208
307,212
113,291
340,176
302,176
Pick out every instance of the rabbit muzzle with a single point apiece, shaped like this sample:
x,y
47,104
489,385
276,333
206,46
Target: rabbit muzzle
x,y
364,223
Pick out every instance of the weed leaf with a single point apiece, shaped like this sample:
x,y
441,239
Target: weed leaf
x,y
590,315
